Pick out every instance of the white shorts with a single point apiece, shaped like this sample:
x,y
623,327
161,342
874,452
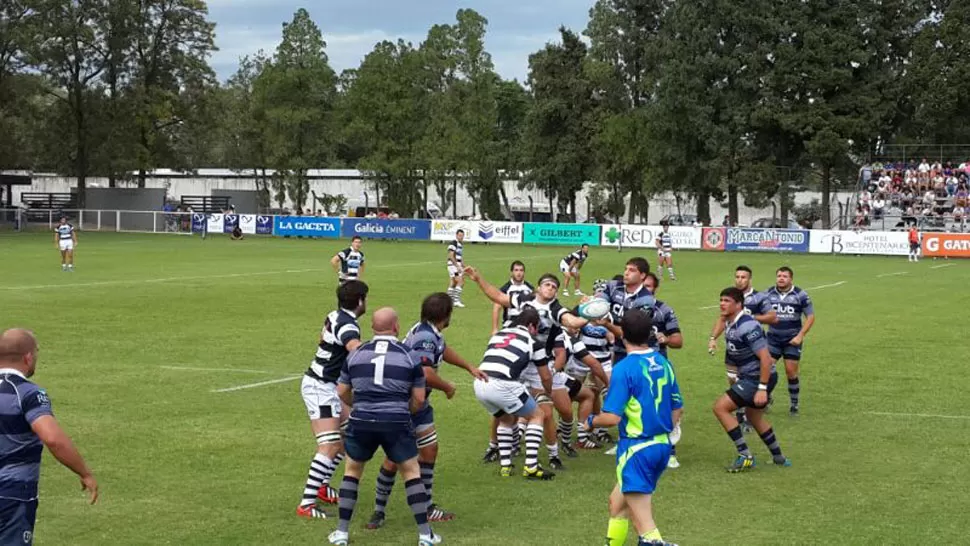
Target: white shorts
x,y
66,244
320,398
502,396
564,268
661,253
530,378
455,271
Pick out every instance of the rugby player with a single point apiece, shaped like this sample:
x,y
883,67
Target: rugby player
x,y
665,252
339,337
572,364
914,246
747,349
599,342
386,385
551,313
666,335
786,336
570,266
756,305
644,401
510,352
65,239
456,266
517,283
428,346
349,262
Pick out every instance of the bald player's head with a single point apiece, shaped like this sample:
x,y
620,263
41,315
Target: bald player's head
x,y
18,350
385,322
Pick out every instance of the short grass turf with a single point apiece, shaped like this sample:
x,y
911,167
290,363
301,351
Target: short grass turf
x,y
879,451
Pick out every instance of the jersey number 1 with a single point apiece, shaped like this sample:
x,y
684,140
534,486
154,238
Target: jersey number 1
x,y
378,363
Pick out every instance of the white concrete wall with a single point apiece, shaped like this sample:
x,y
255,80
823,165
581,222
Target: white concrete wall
x,y
350,183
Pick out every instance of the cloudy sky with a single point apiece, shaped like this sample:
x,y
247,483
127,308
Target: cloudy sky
x,y
352,27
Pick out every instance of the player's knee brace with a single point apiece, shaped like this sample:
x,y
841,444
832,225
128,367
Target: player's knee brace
x,y
543,398
428,440
344,425
327,438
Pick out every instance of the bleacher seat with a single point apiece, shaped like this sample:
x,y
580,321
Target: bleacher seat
x,y
205,204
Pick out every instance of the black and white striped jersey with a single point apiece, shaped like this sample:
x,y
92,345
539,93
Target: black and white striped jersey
x,y
64,231
510,288
456,247
511,351
339,329
350,262
576,258
550,313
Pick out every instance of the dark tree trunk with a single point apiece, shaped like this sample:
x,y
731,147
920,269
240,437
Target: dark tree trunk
x,y
704,207
826,190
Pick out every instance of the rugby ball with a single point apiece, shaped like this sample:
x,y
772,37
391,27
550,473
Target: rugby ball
x,y
594,308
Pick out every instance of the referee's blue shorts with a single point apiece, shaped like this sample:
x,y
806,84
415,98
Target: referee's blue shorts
x,y
17,521
640,463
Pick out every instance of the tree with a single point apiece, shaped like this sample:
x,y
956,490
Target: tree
x,y
245,144
512,109
172,42
557,134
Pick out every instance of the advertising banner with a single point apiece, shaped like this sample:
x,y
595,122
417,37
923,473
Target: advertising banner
x,y
713,239
214,222
767,240
306,226
631,235
230,222
264,225
477,231
561,234
387,229
198,223
950,245
247,223
880,243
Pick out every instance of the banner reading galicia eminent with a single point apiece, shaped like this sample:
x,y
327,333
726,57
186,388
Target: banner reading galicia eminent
x,y
561,234
306,226
372,228
771,240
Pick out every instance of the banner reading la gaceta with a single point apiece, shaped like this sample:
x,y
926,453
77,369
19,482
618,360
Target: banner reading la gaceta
x,y
646,236
477,231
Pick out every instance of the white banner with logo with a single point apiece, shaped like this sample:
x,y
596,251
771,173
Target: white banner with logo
x,y
215,223
477,231
634,236
247,223
881,243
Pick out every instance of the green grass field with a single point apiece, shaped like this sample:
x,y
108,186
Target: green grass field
x,y
880,451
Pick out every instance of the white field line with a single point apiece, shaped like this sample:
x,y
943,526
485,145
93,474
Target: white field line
x,y
260,384
223,276
230,370
896,274
708,307
942,266
924,415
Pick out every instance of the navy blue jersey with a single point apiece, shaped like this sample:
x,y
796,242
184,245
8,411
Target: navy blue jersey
x,y
21,403
790,307
510,288
664,322
621,301
381,374
339,329
512,350
756,303
743,338
350,262
427,346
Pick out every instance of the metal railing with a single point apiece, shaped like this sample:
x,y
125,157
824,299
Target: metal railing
x,y
97,220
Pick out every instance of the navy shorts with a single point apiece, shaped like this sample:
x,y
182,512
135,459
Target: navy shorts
x,y
743,390
423,419
782,348
362,438
17,521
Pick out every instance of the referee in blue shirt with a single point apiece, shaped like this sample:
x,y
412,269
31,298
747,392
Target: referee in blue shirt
x,y
26,426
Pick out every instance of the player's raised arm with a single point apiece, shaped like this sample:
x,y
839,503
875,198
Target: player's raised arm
x,y
490,291
496,318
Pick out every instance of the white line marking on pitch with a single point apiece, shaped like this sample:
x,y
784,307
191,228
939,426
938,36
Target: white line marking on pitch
x,y
896,274
926,415
833,285
709,307
260,384
942,266
191,369
225,276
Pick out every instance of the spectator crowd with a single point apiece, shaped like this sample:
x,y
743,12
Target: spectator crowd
x,y
896,194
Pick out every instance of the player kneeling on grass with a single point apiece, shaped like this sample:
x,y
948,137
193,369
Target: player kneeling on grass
x,y
428,346
386,385
747,349
643,400
510,351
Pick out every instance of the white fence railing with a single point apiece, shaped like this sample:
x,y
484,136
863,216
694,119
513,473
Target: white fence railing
x,y
98,220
